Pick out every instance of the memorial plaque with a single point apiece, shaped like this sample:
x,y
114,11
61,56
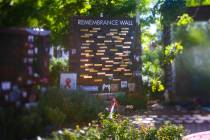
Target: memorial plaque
x,y
73,51
131,87
104,47
124,84
89,88
68,81
106,88
114,87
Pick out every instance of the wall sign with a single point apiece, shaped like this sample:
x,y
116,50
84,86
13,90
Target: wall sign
x,y
73,51
68,81
131,87
114,87
89,88
105,22
124,84
106,88
104,47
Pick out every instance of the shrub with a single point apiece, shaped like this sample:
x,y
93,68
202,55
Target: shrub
x,y
20,123
87,133
138,101
170,132
105,128
8,123
148,133
167,131
61,107
30,123
56,109
119,129
57,65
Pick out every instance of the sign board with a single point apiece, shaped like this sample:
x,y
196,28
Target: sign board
x,y
89,88
124,84
68,81
103,50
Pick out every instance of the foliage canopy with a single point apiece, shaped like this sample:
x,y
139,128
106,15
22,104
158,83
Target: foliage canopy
x,y
55,14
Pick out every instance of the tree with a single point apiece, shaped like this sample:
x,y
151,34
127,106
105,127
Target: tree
x,y
50,14
112,8
55,14
197,2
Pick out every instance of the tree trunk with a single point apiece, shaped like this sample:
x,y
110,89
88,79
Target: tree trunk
x,y
167,66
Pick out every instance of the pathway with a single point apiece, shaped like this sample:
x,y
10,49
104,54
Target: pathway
x,y
193,123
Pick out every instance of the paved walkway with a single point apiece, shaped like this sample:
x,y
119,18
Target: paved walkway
x,y
193,123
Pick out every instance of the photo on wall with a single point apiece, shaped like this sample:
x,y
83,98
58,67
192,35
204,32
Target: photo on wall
x,y
68,81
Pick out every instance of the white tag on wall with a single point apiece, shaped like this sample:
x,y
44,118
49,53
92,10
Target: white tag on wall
x,y
36,50
30,60
6,85
24,94
30,38
30,51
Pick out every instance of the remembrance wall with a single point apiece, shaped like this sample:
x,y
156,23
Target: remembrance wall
x,y
104,54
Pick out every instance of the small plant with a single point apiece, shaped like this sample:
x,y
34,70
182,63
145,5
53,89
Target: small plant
x,y
152,71
183,20
57,65
153,62
148,133
117,128
170,132
171,51
167,131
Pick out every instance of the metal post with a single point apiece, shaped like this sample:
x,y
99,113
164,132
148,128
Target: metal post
x,y
137,13
138,48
